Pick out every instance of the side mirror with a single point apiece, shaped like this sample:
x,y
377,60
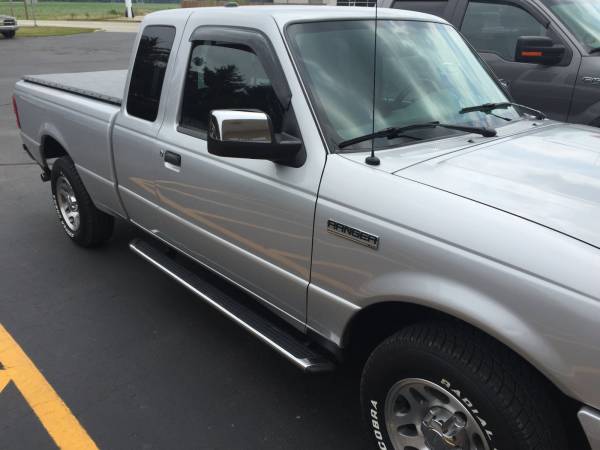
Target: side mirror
x,y
538,50
249,134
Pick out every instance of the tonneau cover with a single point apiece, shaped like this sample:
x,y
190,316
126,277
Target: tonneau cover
x,y
105,85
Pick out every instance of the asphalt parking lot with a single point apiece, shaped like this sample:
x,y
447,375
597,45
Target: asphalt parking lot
x,y
138,360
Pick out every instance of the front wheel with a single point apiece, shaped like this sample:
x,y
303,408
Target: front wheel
x,y
9,34
82,221
440,386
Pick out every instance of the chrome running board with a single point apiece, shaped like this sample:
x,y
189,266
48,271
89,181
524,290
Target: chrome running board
x,y
220,295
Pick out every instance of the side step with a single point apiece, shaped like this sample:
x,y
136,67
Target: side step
x,y
280,336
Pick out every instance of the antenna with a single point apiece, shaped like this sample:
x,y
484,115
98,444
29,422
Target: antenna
x,y
373,160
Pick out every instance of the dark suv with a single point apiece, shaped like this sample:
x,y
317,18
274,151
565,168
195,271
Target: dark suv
x,y
546,51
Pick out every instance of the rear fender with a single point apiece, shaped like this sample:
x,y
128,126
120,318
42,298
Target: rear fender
x,y
48,130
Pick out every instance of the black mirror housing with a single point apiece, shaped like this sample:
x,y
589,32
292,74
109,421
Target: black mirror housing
x,y
282,150
538,50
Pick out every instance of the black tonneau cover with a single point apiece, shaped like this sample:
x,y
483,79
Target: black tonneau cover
x,y
106,85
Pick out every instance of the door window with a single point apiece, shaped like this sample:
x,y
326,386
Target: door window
x,y
223,75
496,27
149,71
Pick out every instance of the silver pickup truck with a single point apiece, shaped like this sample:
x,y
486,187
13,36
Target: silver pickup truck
x,y
351,192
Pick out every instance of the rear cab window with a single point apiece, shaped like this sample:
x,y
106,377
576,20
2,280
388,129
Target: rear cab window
x,y
149,70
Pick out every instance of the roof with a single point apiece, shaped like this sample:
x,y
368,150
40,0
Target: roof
x,y
290,13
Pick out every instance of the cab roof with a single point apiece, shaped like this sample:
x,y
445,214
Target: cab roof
x,y
284,14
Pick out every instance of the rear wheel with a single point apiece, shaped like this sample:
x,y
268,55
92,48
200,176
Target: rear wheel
x,y
440,386
82,221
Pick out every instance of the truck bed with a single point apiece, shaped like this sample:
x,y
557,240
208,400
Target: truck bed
x,y
106,85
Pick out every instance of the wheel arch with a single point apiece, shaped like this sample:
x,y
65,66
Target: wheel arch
x,y
490,317
52,143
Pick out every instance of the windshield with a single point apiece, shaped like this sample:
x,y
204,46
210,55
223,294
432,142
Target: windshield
x,y
582,18
425,72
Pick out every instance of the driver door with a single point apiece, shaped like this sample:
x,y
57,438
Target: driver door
x,y
249,220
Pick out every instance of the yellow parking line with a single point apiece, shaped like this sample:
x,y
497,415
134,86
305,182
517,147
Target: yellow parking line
x,y
53,413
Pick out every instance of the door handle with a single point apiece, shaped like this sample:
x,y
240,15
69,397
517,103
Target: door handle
x,y
172,158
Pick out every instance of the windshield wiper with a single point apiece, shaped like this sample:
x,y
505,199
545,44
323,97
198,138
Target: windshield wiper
x,y
594,50
394,132
489,107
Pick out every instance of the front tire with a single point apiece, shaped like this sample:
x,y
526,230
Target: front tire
x,y
9,34
86,225
441,385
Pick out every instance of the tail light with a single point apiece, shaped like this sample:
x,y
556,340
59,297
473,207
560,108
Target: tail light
x,y
16,111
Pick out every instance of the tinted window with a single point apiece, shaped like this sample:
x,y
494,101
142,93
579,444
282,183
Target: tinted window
x,y
149,71
495,27
226,76
435,7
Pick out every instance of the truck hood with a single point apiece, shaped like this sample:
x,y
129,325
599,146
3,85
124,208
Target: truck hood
x,y
551,177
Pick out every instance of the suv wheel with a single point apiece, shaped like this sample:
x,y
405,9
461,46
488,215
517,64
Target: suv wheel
x,y
82,221
440,386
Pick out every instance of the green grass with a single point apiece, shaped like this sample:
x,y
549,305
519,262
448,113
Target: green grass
x,y
50,31
80,10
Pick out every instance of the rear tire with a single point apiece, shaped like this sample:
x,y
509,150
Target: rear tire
x,y
461,378
85,224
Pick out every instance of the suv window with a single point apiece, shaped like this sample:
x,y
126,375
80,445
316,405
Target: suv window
x,y
224,75
149,71
435,7
496,27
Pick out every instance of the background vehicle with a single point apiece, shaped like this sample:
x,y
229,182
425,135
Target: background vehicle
x,y
8,26
546,51
461,267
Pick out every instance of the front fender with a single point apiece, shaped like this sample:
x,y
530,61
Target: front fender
x,y
492,315
533,289
495,315
557,339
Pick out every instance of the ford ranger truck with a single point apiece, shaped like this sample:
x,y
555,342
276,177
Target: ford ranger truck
x,y
423,226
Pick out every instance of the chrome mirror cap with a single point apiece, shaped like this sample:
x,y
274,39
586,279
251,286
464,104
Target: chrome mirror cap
x,y
249,134
232,125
